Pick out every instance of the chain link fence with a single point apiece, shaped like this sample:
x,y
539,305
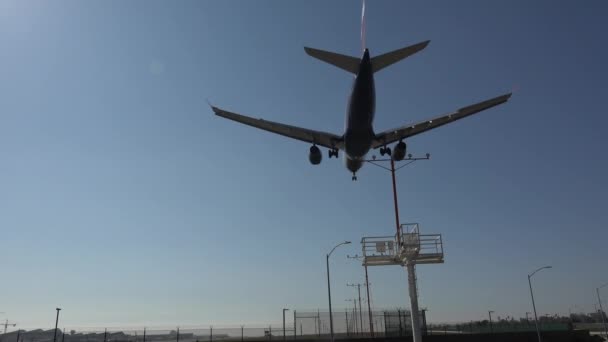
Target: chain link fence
x,y
304,325
354,323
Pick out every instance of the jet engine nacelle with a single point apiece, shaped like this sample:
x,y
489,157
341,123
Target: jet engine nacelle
x,y
315,155
399,151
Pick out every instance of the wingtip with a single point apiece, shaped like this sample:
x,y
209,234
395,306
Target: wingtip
x,y
422,45
307,50
515,89
213,108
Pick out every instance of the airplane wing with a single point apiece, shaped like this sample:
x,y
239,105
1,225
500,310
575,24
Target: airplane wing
x,y
314,137
403,132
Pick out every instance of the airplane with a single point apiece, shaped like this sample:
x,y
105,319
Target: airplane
x,y
359,135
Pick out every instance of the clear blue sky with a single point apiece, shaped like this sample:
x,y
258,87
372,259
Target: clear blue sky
x,y
124,200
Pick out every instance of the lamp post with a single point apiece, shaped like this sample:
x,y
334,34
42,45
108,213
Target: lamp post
x,y
331,319
491,328
533,304
284,323
56,322
597,291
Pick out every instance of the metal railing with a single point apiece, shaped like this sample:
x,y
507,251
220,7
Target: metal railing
x,y
388,250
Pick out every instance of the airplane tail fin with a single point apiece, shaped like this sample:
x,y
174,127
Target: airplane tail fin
x,y
363,45
351,64
382,61
348,63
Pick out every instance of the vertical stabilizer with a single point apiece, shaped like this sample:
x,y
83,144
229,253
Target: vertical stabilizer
x,y
363,43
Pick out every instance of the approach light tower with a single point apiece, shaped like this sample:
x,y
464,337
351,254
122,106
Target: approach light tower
x,y
406,248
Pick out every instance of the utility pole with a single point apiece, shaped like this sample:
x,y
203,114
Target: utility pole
x,y
491,328
295,328
346,321
597,291
284,323
369,305
360,307
357,328
6,324
355,317
56,322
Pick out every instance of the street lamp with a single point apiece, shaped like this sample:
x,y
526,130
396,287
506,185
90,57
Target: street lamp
x,y
597,291
284,323
56,322
490,314
331,319
533,304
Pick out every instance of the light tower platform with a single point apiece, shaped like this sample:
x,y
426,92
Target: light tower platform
x,y
407,246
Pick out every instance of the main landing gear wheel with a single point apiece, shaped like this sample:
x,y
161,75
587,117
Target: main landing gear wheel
x,y
354,177
385,150
332,153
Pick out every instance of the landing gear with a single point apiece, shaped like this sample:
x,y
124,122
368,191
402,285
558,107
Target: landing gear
x,y
354,177
332,153
385,150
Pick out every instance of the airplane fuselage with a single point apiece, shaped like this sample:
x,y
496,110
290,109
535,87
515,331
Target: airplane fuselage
x,y
359,132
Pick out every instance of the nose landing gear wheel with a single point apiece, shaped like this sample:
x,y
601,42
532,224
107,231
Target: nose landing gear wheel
x,y
354,177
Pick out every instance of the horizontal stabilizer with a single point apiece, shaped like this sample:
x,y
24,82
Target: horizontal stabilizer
x,y
382,61
348,63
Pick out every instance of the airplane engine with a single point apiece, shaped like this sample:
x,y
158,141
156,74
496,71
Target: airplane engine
x,y
315,155
399,151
